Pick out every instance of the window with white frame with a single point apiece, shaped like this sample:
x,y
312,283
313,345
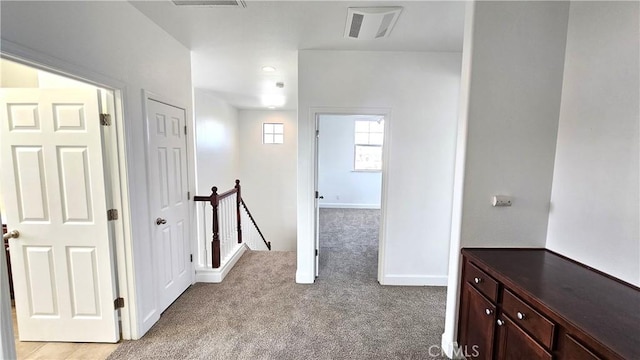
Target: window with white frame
x,y
273,133
368,145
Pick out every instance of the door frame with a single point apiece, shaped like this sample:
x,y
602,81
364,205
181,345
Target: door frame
x,y
146,96
7,341
118,194
314,120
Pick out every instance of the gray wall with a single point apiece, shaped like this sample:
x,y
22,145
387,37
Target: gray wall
x,y
514,103
595,203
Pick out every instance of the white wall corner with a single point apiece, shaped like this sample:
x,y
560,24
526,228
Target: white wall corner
x,y
304,277
453,291
414,280
209,275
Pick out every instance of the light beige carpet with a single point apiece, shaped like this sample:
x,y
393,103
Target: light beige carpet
x,y
259,312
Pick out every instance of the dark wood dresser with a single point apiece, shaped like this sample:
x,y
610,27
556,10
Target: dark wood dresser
x,y
535,304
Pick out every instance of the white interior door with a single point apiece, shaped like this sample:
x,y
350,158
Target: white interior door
x,y
168,189
54,194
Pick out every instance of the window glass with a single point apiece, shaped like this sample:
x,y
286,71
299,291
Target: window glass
x,y
368,139
273,133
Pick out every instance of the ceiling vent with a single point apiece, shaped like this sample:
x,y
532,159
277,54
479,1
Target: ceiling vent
x,y
211,3
371,22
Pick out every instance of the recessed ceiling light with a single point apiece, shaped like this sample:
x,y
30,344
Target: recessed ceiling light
x,y
268,69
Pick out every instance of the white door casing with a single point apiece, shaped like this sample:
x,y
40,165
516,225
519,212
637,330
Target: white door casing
x,y
169,203
53,188
314,120
7,342
316,209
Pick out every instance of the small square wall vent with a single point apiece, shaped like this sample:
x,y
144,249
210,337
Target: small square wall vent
x,y
371,23
211,3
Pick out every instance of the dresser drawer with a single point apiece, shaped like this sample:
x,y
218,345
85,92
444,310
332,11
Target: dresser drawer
x,y
573,349
481,281
538,326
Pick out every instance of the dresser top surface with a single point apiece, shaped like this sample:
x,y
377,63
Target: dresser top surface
x,y
602,307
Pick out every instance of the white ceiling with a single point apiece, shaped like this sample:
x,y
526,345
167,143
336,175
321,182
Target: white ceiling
x,y
231,45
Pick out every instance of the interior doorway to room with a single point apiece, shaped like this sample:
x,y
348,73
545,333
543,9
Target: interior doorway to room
x,y
349,182
58,162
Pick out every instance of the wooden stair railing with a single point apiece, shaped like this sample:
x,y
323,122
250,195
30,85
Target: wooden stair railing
x,y
267,243
214,199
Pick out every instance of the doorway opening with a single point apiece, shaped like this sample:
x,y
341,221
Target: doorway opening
x,y
349,168
61,175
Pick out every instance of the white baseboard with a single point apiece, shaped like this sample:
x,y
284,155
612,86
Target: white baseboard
x,y
414,280
349,206
209,275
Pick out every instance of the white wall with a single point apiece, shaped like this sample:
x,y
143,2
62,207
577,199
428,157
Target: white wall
x,y
341,186
514,103
15,75
113,43
217,143
268,176
514,57
217,160
449,336
421,91
595,203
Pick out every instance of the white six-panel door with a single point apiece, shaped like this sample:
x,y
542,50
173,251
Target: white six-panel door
x,y
54,194
168,192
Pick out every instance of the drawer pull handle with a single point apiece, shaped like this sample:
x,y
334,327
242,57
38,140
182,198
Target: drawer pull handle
x,y
488,311
500,322
477,280
521,316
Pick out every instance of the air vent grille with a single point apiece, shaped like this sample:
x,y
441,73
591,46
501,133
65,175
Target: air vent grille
x,y
211,3
384,26
371,23
356,24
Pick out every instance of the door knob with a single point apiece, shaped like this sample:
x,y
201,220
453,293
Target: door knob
x,y
12,234
321,197
160,221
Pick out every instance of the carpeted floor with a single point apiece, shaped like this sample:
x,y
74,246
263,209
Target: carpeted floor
x,y
259,312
